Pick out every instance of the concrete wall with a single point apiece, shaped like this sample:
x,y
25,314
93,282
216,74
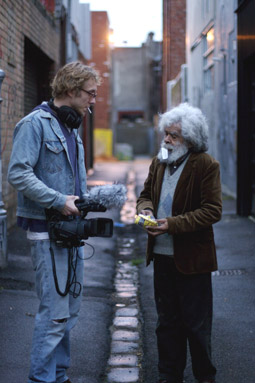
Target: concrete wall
x,y
128,79
133,85
136,94
81,18
152,53
140,137
226,91
128,84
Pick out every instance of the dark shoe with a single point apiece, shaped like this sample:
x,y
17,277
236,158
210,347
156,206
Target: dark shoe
x,y
163,381
207,381
67,381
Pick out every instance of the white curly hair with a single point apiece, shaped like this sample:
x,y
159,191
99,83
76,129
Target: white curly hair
x,y
193,124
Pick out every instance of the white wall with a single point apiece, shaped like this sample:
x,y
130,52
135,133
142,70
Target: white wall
x,y
81,20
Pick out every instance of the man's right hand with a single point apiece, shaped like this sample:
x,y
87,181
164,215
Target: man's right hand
x,y
70,207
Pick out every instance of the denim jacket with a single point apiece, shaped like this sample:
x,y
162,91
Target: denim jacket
x,y
40,167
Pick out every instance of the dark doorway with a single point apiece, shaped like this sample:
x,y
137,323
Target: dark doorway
x,y
252,128
87,138
246,108
38,70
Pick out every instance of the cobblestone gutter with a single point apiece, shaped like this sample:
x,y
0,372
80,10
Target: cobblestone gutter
x,y
126,346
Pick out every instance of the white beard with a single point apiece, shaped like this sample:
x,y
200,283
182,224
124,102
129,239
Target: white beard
x,y
174,152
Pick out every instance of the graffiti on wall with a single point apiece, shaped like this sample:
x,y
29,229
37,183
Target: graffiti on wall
x,y
13,110
11,20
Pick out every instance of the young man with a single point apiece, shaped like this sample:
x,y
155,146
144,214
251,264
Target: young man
x,y
183,191
47,168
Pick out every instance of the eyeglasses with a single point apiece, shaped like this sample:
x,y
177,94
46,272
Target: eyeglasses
x,y
91,94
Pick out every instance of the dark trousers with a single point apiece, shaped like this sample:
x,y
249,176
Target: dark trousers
x,y
184,307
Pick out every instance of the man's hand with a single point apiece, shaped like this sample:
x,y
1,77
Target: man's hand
x,y
70,207
157,230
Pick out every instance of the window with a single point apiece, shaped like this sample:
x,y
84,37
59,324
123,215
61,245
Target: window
x,y
208,65
130,115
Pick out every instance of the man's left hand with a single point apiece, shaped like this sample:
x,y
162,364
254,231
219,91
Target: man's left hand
x,y
160,229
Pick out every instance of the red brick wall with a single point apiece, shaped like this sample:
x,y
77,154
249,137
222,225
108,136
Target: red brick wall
x,y
101,60
18,19
49,5
174,30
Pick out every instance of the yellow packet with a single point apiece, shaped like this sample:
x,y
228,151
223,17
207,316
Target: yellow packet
x,y
145,220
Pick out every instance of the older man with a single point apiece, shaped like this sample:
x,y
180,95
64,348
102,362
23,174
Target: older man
x,y
183,192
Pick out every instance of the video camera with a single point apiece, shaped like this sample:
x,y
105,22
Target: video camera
x,y
70,231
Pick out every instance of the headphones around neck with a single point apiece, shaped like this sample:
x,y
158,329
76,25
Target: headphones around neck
x,y
67,115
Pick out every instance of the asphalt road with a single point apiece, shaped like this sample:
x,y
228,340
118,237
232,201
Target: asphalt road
x,y
234,299
90,339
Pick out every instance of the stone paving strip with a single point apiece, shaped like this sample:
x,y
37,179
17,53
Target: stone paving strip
x,y
126,349
128,211
125,357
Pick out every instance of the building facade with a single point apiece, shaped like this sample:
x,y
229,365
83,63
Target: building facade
x,y
29,55
173,53
211,55
101,60
202,70
36,38
136,96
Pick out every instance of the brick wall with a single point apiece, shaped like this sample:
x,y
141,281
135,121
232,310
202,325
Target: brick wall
x,y
101,60
174,30
19,19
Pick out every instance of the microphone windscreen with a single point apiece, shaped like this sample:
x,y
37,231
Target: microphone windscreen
x,y
109,195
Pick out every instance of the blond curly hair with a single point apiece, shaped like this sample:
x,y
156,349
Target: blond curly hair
x,y
71,77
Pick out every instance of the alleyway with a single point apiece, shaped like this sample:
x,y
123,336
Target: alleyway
x,y
114,340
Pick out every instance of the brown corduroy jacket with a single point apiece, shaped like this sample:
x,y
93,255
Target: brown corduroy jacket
x,y
197,205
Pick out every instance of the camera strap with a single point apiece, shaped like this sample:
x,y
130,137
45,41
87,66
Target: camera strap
x,y
72,264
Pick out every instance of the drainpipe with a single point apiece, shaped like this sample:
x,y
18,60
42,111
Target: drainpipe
x,y
68,33
3,216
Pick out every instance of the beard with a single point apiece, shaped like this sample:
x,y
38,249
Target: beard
x,y
174,152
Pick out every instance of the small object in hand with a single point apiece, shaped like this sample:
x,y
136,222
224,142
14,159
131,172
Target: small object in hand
x,y
145,220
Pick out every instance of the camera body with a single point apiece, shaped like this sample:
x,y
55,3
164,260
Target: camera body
x,y
70,231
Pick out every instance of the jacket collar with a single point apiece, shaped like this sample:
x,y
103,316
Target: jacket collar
x,y
55,125
190,164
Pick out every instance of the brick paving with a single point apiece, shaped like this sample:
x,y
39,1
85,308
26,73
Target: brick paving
x,y
126,348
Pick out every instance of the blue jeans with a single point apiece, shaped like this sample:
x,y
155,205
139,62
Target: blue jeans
x,y
57,315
